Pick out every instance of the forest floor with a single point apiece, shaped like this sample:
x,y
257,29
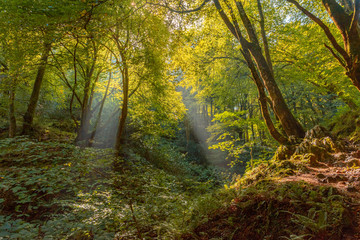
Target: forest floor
x,y
52,190
312,194
344,175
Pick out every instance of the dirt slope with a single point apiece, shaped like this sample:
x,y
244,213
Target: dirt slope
x,y
294,196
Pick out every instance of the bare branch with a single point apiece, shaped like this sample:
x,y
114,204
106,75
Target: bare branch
x,y
356,16
335,55
325,28
166,5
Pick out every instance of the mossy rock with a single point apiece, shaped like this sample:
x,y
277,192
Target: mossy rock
x,y
284,152
319,152
317,132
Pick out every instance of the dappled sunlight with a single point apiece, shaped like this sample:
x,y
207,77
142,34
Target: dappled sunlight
x,y
180,119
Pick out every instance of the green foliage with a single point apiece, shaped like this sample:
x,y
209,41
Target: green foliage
x,y
54,190
156,189
271,210
227,134
344,123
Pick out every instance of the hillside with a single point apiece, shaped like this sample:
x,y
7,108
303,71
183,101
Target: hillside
x,y
55,190
180,119
310,194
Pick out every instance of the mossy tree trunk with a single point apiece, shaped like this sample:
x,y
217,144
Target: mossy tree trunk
x,y
346,17
124,108
12,118
30,112
265,78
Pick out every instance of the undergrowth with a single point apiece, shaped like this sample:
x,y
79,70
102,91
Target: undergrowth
x,y
269,210
52,190
57,191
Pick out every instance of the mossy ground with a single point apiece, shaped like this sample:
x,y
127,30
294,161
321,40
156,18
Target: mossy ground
x,y
54,190
51,190
307,191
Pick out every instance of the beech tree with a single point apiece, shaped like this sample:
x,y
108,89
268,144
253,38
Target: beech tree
x,y
30,112
259,62
346,16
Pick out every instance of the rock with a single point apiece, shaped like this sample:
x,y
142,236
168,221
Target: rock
x,y
316,132
339,164
344,178
353,179
312,160
284,152
321,154
330,145
336,178
340,156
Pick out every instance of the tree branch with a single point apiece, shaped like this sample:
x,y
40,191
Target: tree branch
x,y
180,11
356,16
335,55
247,23
338,15
225,18
325,28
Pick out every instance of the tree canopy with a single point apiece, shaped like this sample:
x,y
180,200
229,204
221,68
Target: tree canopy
x,y
158,99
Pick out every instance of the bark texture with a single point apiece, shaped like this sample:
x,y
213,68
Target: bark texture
x,y
289,123
124,109
346,17
30,112
12,118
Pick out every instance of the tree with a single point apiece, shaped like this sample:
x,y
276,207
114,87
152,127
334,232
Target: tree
x,y
346,17
290,125
29,114
16,48
47,21
259,65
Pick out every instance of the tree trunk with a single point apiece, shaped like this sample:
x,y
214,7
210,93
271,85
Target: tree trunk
x,y
124,109
347,22
86,106
100,112
84,121
263,101
290,125
12,119
30,112
264,38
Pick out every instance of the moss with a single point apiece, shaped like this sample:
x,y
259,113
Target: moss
x,y
284,152
355,136
269,210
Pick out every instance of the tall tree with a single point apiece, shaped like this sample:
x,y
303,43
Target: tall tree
x,y
30,112
290,125
346,17
263,64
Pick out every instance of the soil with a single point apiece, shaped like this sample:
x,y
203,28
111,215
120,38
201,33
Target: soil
x,y
343,173
340,170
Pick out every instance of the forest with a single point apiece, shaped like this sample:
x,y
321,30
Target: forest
x,y
180,119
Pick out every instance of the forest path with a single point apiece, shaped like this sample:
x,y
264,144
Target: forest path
x,y
343,173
